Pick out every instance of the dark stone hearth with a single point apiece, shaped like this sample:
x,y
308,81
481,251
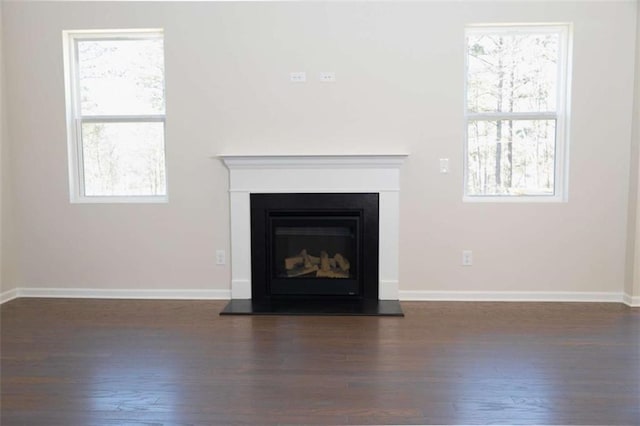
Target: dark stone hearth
x,y
314,307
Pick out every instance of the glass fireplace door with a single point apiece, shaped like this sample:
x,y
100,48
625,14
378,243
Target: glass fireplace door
x,y
314,255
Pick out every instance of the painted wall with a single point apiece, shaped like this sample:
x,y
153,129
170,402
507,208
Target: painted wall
x,y
4,175
2,143
635,291
399,88
632,287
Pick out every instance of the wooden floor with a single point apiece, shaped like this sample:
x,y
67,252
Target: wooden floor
x,y
121,362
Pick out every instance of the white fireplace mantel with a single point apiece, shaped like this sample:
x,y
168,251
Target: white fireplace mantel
x,y
320,174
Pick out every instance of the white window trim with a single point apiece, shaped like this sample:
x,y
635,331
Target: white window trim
x,y
74,119
561,115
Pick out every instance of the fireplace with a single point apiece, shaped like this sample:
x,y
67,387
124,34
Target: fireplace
x,y
314,246
314,234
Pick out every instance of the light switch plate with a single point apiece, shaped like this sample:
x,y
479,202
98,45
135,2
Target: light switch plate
x,y
444,165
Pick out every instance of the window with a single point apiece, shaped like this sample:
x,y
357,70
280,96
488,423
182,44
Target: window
x,y
516,112
116,115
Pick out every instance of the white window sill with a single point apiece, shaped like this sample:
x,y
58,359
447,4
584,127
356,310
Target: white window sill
x,y
120,200
513,199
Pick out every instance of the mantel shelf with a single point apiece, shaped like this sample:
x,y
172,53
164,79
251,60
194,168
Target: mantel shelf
x,y
311,160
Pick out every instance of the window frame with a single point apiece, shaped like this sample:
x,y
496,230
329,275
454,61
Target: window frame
x,y
75,119
561,115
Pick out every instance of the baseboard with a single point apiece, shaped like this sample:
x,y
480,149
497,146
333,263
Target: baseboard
x,y
404,295
89,293
512,296
632,301
5,296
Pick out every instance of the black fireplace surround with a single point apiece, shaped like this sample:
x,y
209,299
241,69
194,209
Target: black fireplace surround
x,y
308,214
314,254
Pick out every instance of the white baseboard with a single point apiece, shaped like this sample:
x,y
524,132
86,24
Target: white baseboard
x,y
405,295
512,296
634,302
5,296
89,293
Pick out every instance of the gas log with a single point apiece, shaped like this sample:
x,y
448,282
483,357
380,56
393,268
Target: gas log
x,y
323,266
343,263
302,258
324,261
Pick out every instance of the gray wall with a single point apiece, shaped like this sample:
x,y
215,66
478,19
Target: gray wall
x,y
399,88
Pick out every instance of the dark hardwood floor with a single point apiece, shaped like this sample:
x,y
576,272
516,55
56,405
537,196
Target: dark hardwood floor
x,y
128,362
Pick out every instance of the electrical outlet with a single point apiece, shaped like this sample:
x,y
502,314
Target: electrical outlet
x,y
221,257
467,258
328,77
298,77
